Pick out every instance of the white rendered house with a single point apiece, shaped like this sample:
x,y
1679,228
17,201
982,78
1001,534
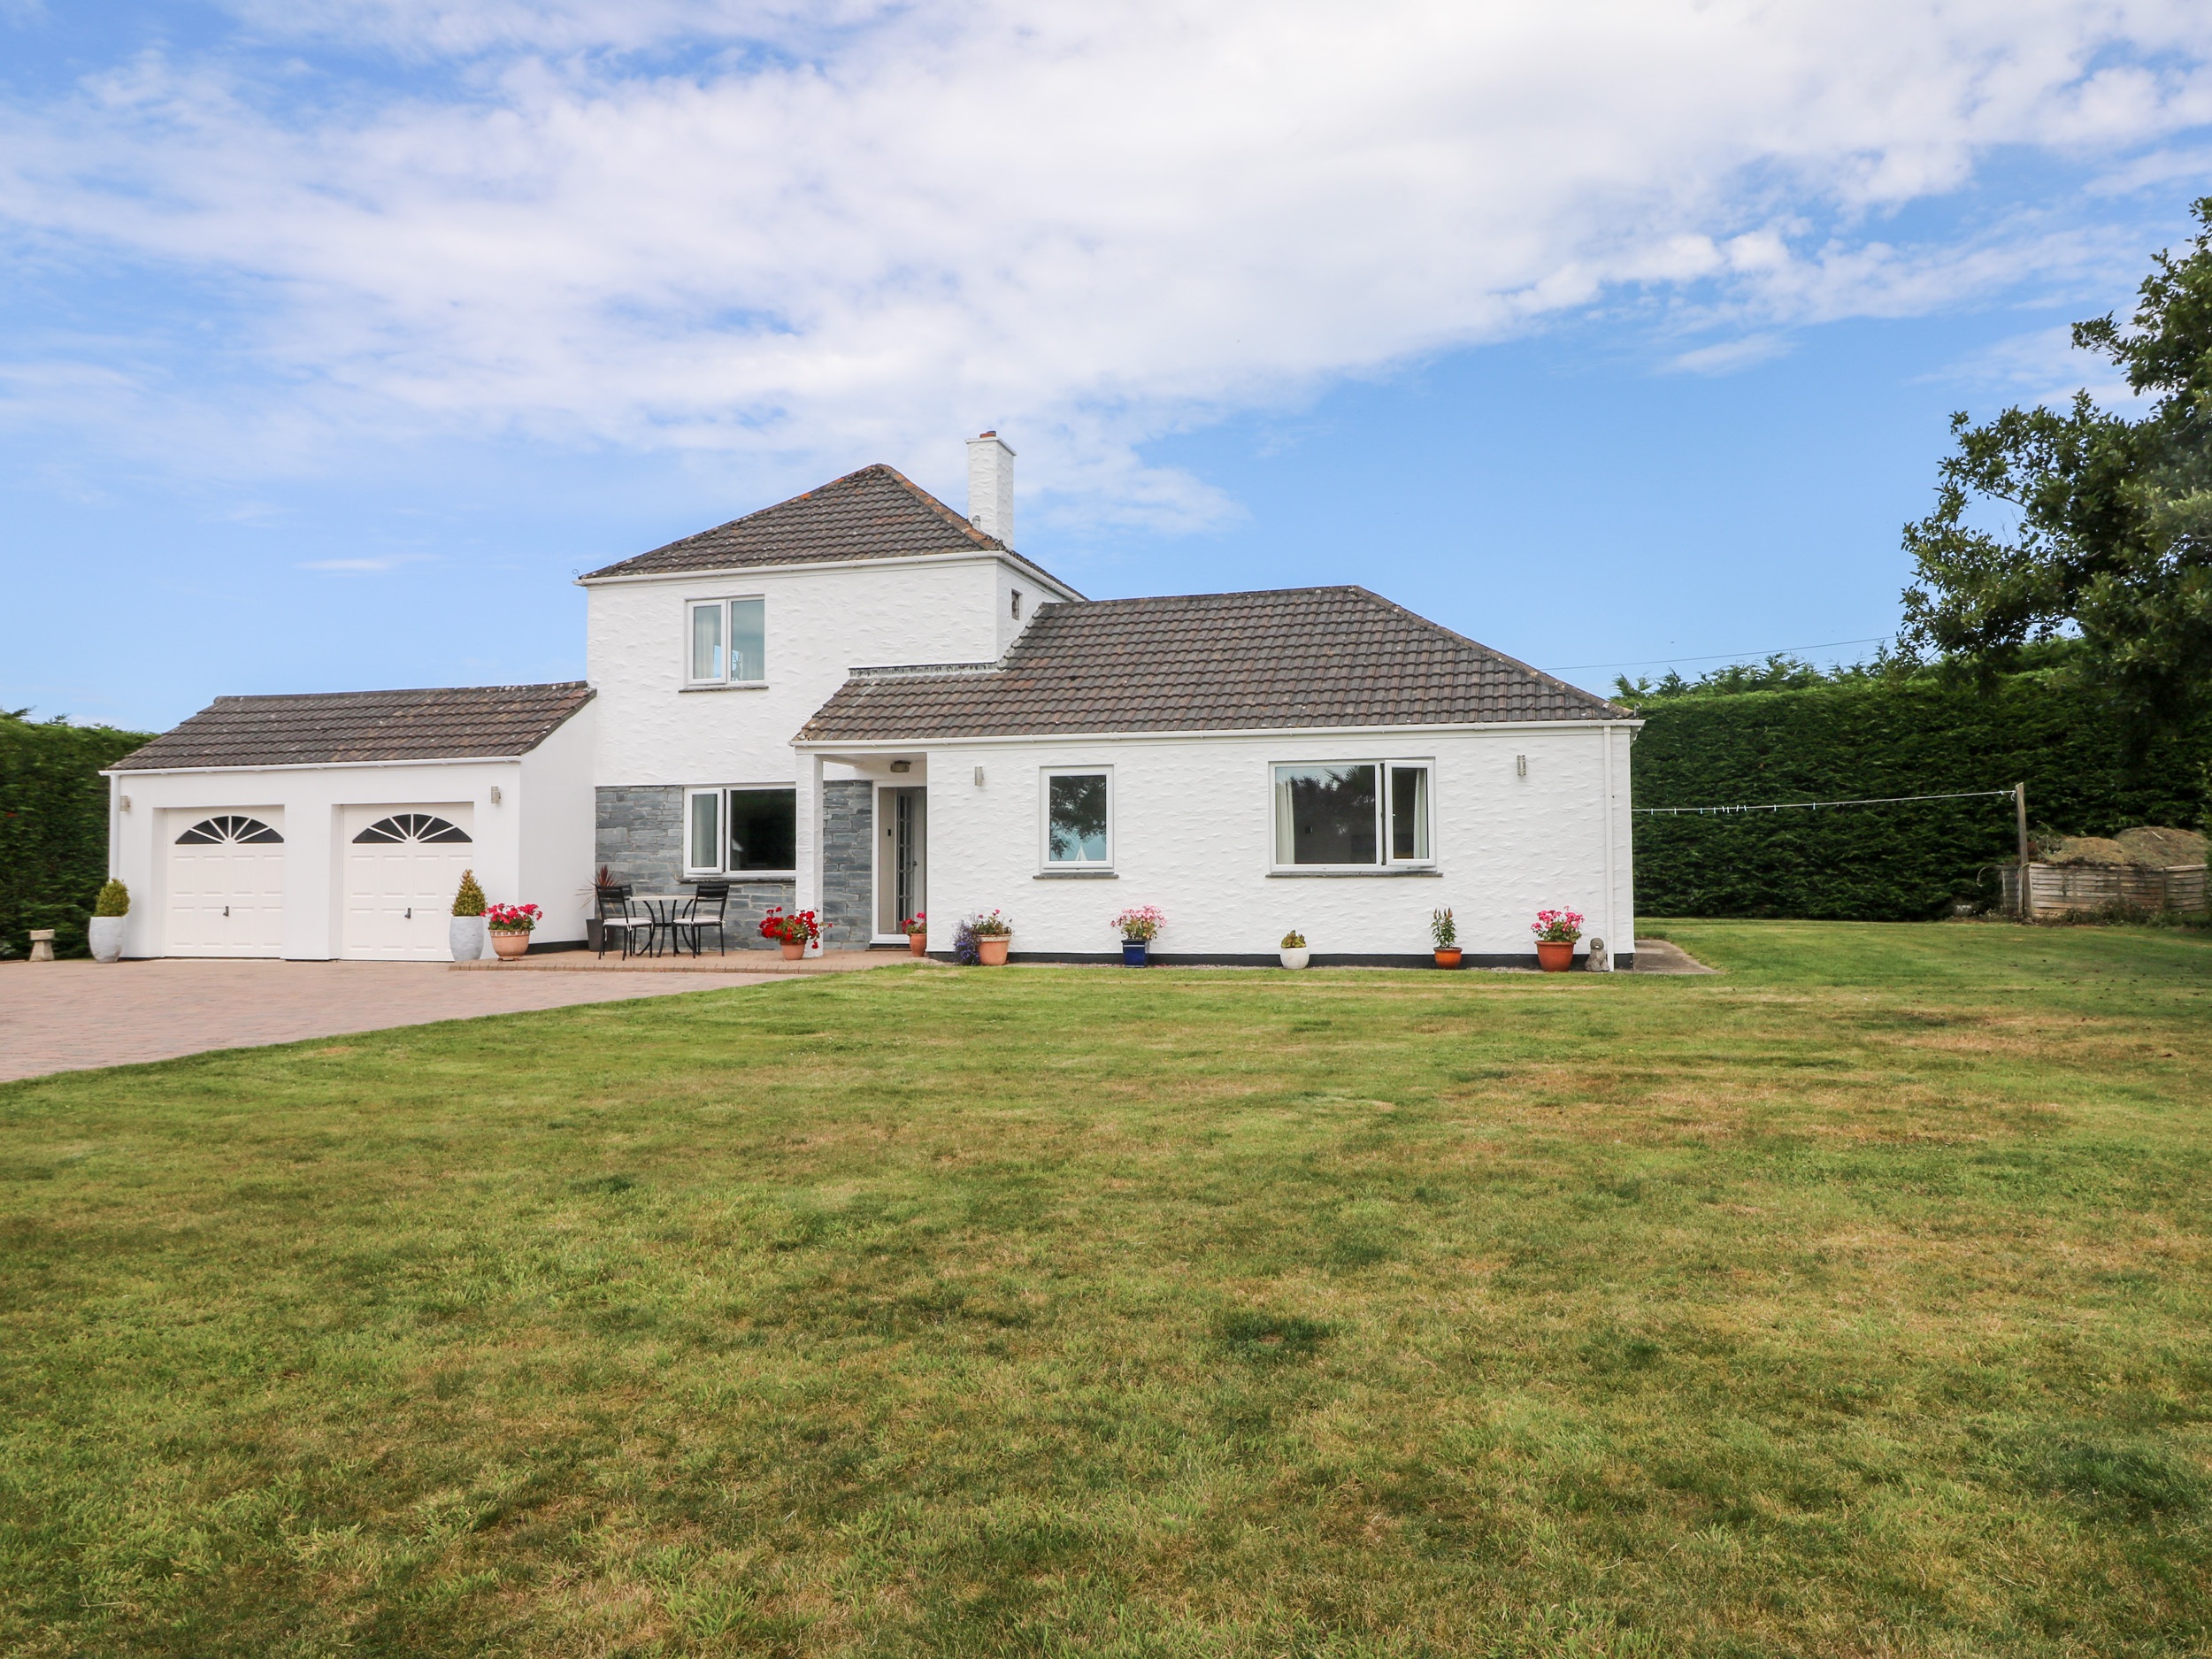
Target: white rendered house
x,y
859,702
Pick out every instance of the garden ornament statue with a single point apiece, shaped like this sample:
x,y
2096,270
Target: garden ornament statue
x,y
1600,960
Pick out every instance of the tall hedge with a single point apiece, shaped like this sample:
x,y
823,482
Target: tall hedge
x,y
53,826
1877,737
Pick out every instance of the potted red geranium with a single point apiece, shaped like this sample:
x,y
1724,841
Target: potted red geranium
x,y
916,927
1556,932
796,932
510,926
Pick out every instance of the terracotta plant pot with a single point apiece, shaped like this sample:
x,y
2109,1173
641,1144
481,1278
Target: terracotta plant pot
x,y
919,943
794,949
1555,956
509,943
1447,958
992,951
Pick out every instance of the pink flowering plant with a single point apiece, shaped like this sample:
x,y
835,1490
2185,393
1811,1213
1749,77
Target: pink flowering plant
x,y
1140,925
1556,927
511,919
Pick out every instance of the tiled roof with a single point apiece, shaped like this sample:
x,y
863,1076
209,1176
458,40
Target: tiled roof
x,y
1301,656
317,728
875,513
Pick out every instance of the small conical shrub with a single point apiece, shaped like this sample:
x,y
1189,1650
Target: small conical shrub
x,y
469,900
114,900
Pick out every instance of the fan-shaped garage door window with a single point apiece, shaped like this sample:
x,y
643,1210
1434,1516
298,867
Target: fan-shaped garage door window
x,y
412,827
227,831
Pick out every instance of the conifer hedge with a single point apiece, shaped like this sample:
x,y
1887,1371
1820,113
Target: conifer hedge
x,y
53,826
1881,737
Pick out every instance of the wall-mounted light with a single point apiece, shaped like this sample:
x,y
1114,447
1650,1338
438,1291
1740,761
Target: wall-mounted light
x,y
1520,765
495,794
125,803
901,766
979,777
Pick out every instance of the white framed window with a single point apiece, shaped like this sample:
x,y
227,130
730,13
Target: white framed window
x,y
726,642
1078,818
1353,814
746,829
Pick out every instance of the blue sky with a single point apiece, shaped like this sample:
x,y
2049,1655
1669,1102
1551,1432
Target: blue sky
x,y
340,333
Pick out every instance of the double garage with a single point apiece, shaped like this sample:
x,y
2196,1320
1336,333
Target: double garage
x,y
399,866
327,848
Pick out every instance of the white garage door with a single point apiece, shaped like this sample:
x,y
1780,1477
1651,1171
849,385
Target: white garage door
x,y
226,888
402,866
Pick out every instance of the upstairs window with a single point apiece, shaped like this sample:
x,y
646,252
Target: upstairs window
x,y
728,641
1360,814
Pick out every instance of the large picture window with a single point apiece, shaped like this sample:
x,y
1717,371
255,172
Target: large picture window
x,y
1353,814
1079,819
729,642
745,831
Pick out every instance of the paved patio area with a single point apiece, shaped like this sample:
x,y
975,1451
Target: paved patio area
x,y
766,962
65,1015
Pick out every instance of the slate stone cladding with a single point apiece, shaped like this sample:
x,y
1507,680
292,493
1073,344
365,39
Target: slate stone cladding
x,y
876,513
847,833
640,836
640,840
1297,657
323,727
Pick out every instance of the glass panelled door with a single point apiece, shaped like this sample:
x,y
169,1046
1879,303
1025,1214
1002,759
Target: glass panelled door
x,y
901,857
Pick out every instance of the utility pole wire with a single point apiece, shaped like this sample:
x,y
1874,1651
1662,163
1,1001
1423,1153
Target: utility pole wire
x,y
1786,806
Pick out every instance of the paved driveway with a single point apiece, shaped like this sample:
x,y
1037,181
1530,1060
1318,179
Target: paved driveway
x,y
64,1016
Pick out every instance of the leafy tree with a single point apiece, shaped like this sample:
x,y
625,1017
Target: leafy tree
x,y
2113,517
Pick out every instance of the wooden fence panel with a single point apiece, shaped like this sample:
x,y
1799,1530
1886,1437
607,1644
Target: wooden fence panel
x,y
2076,889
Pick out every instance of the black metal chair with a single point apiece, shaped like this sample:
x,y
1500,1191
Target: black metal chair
x,y
709,905
617,915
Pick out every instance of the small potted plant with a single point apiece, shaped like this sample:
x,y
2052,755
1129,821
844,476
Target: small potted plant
x,y
105,934
994,933
1444,931
1137,927
464,934
510,926
916,927
1556,932
1294,952
794,932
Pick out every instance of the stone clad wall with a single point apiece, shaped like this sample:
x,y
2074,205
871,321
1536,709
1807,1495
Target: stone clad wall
x,y
847,833
639,839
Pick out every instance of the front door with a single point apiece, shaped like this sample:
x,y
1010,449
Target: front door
x,y
901,841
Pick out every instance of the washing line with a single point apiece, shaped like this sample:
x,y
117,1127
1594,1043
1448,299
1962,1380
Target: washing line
x,y
1787,806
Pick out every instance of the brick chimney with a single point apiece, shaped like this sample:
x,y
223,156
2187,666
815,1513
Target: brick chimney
x,y
991,486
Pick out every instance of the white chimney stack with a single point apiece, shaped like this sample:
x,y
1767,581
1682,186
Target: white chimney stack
x,y
991,486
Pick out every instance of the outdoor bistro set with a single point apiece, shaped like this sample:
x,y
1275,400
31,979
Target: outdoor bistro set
x,y
647,923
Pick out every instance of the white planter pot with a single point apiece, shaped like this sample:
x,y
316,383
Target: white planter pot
x,y
465,933
107,937
1297,958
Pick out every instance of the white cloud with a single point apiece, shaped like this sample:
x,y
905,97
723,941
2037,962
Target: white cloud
x,y
1731,355
388,562
2042,366
809,236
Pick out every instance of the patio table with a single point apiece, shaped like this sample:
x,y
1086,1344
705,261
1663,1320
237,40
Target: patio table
x,y
664,909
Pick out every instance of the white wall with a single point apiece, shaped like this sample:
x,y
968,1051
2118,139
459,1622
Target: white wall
x,y
820,624
554,797
312,801
1192,836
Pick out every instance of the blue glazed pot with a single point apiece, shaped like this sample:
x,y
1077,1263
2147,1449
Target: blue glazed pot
x,y
1134,951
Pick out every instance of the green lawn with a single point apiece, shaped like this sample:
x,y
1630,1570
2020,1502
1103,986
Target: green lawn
x,y
1851,1303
